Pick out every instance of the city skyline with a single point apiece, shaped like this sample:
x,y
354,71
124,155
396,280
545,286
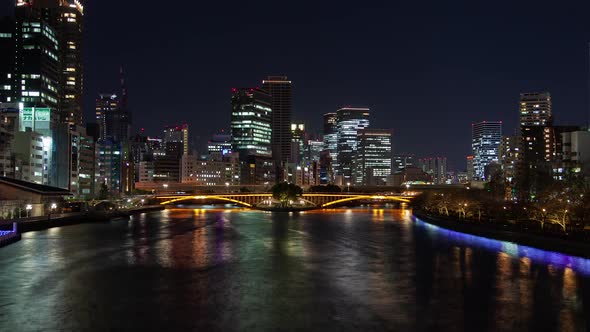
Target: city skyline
x,y
402,85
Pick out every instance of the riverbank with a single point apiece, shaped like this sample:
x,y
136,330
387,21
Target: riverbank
x,y
60,220
562,245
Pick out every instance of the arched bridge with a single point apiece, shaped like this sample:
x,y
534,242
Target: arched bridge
x,y
259,200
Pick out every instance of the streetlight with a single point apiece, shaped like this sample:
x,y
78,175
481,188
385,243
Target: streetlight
x,y
227,187
348,186
165,185
29,208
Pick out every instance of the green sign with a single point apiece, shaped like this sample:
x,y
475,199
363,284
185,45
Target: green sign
x,y
35,118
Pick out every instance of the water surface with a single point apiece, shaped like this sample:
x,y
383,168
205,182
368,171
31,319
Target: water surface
x,y
232,269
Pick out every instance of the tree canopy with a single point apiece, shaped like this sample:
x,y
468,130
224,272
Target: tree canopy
x,y
285,192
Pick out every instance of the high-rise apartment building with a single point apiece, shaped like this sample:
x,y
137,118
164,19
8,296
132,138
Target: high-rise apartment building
x,y
349,120
279,88
486,137
251,122
535,109
373,161
508,156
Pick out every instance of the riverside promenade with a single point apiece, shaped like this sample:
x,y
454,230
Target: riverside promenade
x,y
561,244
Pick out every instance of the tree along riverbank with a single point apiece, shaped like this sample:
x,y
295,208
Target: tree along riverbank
x,y
576,245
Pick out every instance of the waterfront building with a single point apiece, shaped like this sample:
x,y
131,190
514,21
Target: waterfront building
x,y
486,137
280,89
108,166
349,121
46,121
251,124
33,152
211,172
373,159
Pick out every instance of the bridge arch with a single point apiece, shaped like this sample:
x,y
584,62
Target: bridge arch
x,y
364,197
220,198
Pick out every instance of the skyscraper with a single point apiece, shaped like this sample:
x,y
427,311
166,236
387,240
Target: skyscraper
x,y
536,119
486,137
297,143
331,143
251,124
535,109
37,60
279,88
105,103
349,120
65,17
373,156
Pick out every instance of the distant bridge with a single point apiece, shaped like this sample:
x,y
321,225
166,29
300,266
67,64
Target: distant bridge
x,y
259,200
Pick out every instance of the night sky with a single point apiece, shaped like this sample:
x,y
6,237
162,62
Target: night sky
x,y
426,69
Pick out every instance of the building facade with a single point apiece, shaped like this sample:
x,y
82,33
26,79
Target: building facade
x,y
350,120
251,122
436,168
373,157
486,137
280,90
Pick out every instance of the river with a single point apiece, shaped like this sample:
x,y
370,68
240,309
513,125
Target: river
x,y
222,268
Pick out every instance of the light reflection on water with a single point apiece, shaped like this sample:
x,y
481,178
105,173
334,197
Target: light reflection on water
x,y
538,256
219,268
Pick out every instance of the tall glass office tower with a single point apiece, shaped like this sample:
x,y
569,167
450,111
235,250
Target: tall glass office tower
x,y
349,120
251,122
485,142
